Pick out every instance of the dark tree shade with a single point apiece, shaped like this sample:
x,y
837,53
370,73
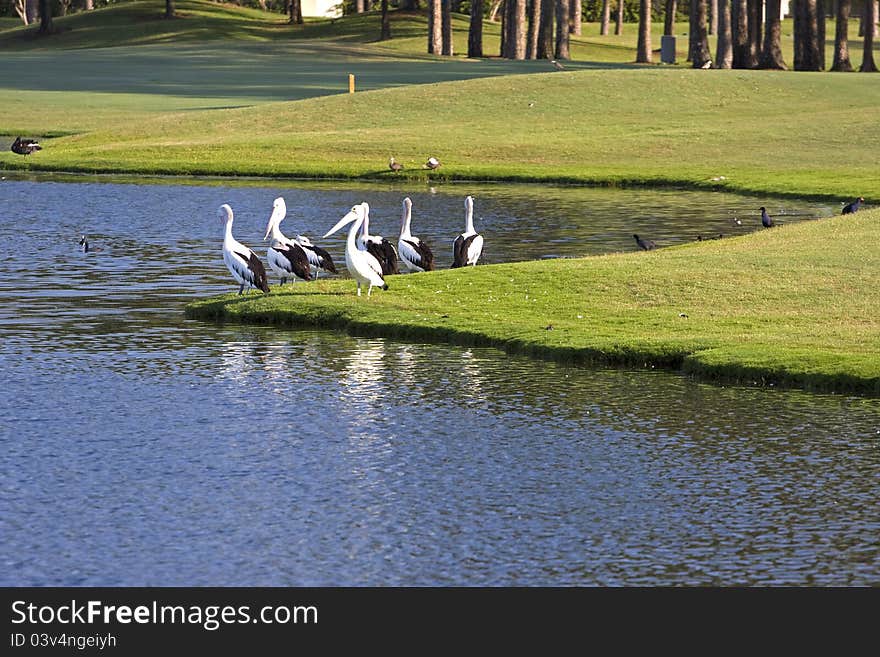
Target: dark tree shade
x,y
386,23
169,8
46,26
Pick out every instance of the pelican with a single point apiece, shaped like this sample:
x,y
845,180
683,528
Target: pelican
x,y
318,257
415,253
468,246
285,256
382,249
362,265
244,265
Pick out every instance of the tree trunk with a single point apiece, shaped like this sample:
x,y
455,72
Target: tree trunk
x,y
698,45
493,12
739,29
513,30
475,32
820,32
21,9
296,14
713,16
606,17
755,25
31,8
435,27
618,26
724,51
46,26
359,6
562,13
771,57
669,22
545,31
169,8
841,37
806,36
88,5
385,32
576,7
445,26
534,25
868,65
643,49
504,48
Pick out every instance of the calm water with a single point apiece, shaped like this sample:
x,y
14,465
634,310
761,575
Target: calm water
x,y
139,448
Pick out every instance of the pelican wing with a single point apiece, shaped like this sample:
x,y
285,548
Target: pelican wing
x,y
296,260
416,253
385,253
474,249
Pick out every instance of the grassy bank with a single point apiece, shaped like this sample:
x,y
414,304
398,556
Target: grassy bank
x,y
177,98
793,306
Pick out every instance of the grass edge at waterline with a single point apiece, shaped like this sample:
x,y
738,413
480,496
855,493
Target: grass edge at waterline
x,y
794,306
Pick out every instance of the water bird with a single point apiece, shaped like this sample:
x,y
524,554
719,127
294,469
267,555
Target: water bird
x,y
318,257
849,208
432,163
362,265
707,65
394,165
382,249
467,247
84,244
416,254
645,245
25,146
286,258
766,221
737,221
557,65
244,265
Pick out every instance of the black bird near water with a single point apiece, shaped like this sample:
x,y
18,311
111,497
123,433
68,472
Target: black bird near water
x,y
850,208
766,221
25,146
645,245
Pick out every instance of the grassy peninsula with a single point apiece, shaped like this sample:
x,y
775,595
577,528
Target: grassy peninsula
x,y
793,306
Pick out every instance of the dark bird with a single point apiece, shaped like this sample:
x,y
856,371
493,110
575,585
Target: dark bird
x,y
645,245
849,208
84,244
432,163
766,221
394,166
25,146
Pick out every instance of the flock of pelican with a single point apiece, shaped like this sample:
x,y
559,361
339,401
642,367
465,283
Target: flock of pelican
x,y
369,258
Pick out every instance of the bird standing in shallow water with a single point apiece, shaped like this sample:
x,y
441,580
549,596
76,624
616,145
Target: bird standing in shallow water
x,y
244,265
645,245
849,208
766,221
467,247
25,146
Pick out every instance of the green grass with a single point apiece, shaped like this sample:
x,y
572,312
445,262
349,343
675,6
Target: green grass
x,y
793,306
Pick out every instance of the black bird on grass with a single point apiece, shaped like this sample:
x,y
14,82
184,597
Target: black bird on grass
x,y
766,221
25,146
849,208
645,245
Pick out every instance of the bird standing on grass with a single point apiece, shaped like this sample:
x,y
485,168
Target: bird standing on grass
x,y
432,163
415,253
645,245
382,249
362,266
394,165
25,146
244,265
286,257
850,208
766,221
557,65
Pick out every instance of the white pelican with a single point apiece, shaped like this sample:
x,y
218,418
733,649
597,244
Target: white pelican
x,y
416,254
285,256
362,265
318,257
244,265
382,249
468,246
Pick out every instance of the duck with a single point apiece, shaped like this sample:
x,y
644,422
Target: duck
x,y
394,165
25,146
416,254
362,265
468,246
432,163
645,245
245,266
850,208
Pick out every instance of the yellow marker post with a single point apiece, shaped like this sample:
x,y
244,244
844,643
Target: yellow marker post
x,y
350,83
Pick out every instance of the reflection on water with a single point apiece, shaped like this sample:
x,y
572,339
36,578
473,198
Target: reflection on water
x,y
139,448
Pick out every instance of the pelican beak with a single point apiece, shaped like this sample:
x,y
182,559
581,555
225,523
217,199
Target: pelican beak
x,y
347,219
268,230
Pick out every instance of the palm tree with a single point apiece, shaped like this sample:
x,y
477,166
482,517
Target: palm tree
x,y
868,65
643,50
618,26
739,28
435,27
562,14
534,24
606,17
724,51
841,37
698,46
806,36
445,27
545,30
755,7
475,32
385,32
669,22
576,9
772,55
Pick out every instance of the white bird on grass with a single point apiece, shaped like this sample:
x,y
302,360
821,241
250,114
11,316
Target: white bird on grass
x,y
362,265
468,246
